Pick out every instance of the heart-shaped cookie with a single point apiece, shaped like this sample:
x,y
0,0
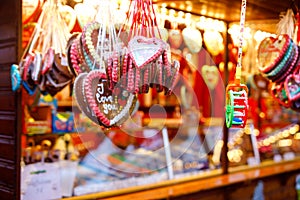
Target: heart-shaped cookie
x,y
85,13
15,77
48,60
161,33
192,38
28,83
280,95
62,66
144,50
26,64
175,38
260,82
271,51
213,41
210,75
296,105
69,15
29,9
292,87
79,95
37,63
111,107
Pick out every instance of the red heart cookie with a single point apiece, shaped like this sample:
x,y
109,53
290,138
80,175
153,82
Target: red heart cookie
x,y
108,105
292,87
271,51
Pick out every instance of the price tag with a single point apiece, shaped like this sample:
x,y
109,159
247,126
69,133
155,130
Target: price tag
x,y
41,181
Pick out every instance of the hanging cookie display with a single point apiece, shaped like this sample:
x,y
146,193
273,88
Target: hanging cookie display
x,y
236,92
278,59
149,58
97,56
44,64
112,69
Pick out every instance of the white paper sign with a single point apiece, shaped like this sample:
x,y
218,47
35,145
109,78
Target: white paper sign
x,y
41,181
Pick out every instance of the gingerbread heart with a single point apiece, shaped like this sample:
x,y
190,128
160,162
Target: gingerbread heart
x,y
29,9
15,77
37,63
260,82
29,84
85,13
292,87
111,107
69,16
163,33
193,39
175,38
48,60
213,41
271,51
210,75
144,50
280,95
80,97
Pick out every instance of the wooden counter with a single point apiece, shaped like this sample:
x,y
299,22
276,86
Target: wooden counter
x,y
278,183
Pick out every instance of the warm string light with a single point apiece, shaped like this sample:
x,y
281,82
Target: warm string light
x,y
281,135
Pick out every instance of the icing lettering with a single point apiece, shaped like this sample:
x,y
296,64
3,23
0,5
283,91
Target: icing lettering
x,y
106,101
100,88
109,107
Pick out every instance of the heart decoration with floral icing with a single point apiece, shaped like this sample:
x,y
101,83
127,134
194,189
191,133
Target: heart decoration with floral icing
x,y
210,75
270,52
144,50
292,86
111,107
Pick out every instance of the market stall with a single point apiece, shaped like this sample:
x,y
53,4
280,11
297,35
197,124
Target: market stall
x,y
160,100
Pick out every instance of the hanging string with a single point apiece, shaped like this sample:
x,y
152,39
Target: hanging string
x,y
241,38
107,36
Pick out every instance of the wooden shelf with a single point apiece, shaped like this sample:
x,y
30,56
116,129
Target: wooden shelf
x,y
192,185
65,103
